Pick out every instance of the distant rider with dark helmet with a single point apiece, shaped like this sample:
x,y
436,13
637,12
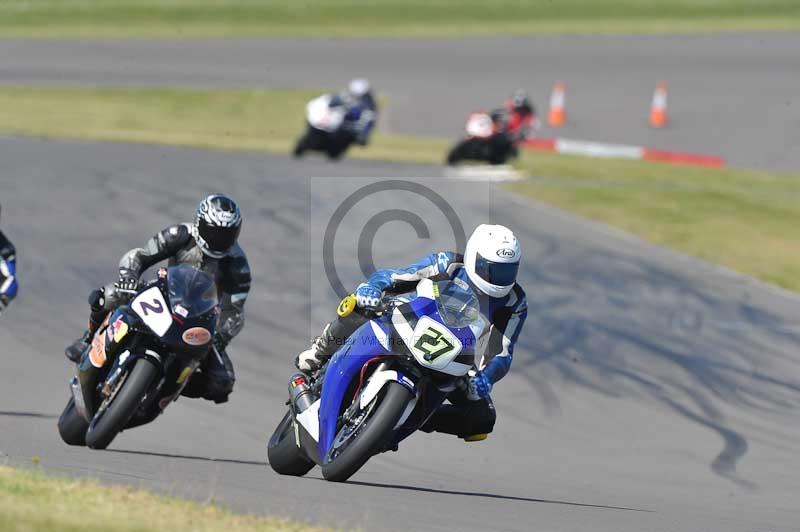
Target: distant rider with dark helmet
x,y
209,244
8,272
489,266
522,120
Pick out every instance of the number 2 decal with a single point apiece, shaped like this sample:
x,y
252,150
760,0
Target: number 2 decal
x,y
156,307
152,308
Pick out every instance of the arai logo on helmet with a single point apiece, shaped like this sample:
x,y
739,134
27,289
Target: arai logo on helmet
x,y
226,217
197,336
506,253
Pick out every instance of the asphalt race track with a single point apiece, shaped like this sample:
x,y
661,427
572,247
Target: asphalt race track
x,y
649,391
734,95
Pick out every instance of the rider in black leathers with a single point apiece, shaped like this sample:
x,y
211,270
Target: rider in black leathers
x,y
209,244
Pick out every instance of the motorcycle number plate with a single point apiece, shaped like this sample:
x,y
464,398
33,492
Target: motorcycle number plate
x,y
433,345
151,307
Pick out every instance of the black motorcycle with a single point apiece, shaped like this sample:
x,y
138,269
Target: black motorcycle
x,y
142,357
487,139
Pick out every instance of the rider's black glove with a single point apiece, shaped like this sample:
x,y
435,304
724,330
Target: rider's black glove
x,y
128,282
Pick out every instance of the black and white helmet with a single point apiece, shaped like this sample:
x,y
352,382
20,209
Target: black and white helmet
x,y
219,222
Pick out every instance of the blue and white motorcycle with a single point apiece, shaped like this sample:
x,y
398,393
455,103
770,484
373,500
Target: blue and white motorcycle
x,y
382,385
333,124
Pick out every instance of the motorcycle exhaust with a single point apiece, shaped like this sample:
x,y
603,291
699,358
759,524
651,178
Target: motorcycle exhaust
x,y
300,394
77,397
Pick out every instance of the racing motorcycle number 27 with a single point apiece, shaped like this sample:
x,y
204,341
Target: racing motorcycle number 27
x,y
435,345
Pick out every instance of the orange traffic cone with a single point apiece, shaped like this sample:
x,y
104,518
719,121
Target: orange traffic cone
x,y
658,109
557,114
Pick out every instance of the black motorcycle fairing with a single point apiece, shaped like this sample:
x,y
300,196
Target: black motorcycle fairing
x,y
127,338
118,332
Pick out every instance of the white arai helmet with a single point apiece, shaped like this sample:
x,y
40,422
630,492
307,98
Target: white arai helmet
x,y
492,259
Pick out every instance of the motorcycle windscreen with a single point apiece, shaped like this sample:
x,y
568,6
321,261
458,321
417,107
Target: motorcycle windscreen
x,y
369,341
192,292
433,340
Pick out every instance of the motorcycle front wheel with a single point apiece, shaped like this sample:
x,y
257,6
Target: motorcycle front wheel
x,y
367,435
114,414
468,150
312,139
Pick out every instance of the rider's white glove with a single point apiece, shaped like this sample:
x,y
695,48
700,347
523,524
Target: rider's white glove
x,y
368,296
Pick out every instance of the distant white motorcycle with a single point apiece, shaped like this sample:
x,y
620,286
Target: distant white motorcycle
x,y
333,125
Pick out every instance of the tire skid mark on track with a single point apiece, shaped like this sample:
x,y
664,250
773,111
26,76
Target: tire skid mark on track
x,y
617,329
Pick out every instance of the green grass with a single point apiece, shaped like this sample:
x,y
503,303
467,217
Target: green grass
x,y
398,18
33,502
268,120
743,219
746,220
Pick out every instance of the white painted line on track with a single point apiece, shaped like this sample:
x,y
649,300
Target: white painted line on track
x,y
483,172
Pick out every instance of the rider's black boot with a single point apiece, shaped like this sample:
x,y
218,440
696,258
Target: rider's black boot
x,y
75,350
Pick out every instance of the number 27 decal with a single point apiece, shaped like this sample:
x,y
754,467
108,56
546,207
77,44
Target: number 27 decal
x,y
433,344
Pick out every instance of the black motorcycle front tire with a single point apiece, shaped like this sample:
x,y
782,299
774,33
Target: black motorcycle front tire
x,y
373,437
312,139
71,425
469,150
105,426
457,154
303,144
284,457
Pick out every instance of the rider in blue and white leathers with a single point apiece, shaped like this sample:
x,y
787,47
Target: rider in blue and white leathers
x,y
8,272
489,265
362,109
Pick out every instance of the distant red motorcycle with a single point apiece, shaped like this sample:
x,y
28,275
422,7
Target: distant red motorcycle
x,y
493,137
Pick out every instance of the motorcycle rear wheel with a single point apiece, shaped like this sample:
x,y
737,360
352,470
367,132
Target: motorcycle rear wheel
x,y
108,423
284,457
71,425
370,437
